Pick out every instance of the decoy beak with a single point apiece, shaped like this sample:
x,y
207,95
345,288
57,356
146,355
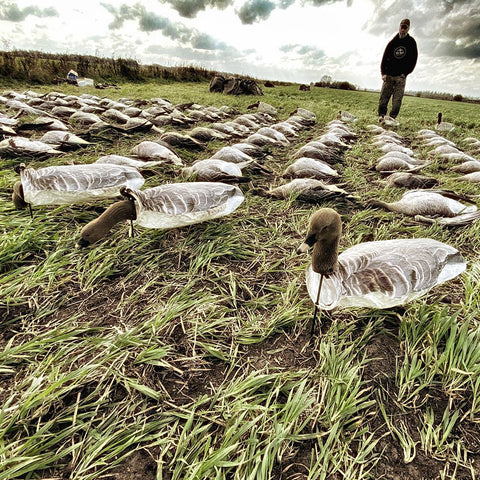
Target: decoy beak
x,y
82,243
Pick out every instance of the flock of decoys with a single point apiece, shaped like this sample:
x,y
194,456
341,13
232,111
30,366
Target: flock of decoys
x,y
379,274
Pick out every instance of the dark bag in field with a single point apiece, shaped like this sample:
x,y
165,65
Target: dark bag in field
x,y
234,86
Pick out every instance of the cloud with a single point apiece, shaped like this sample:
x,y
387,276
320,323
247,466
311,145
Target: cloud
x,y
190,8
255,10
150,22
309,56
11,13
321,3
441,28
258,10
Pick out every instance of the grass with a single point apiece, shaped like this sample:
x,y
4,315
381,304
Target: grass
x,y
185,354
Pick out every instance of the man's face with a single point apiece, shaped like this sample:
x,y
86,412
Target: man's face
x,y
403,30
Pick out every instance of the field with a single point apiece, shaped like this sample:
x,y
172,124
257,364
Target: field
x,y
186,353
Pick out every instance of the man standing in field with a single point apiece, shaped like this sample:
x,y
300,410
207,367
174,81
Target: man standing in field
x,y
399,59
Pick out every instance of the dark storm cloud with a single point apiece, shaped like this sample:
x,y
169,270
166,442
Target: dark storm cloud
x,y
441,28
255,10
10,12
190,8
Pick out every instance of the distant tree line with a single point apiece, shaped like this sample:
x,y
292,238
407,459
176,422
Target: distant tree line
x,y
445,96
39,68
327,82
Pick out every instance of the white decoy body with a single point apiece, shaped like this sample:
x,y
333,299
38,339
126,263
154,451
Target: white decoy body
x,y
380,274
308,190
467,167
393,164
166,206
180,204
232,155
128,162
443,126
432,203
473,177
216,170
310,168
410,180
22,145
154,151
346,116
388,121
62,138
67,184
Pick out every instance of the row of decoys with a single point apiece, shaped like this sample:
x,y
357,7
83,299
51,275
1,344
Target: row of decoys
x,y
425,203
447,150
82,183
61,113
372,274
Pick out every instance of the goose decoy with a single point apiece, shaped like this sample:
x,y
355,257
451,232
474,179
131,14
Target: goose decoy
x,y
167,206
310,168
308,115
232,155
379,274
25,146
346,116
147,150
431,203
388,121
467,167
66,184
216,170
443,126
308,190
393,164
274,134
318,151
61,138
128,162
262,140
204,134
44,123
175,139
410,180
285,128
390,147
248,148
115,115
403,156
473,177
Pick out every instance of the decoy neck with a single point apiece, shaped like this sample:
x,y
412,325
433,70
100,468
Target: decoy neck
x,y
439,121
98,228
323,235
18,196
392,207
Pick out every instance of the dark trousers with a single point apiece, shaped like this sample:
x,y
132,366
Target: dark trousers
x,y
391,87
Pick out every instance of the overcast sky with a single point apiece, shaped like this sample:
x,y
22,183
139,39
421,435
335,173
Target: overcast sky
x,y
291,40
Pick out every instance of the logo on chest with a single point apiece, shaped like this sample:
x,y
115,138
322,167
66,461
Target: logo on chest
x,y
399,52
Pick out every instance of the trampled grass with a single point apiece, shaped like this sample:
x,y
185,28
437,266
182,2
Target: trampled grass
x,y
185,354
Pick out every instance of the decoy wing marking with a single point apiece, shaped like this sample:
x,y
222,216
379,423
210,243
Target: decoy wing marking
x,y
175,205
386,274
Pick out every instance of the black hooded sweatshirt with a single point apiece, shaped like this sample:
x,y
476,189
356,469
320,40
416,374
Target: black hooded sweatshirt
x,y
400,56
